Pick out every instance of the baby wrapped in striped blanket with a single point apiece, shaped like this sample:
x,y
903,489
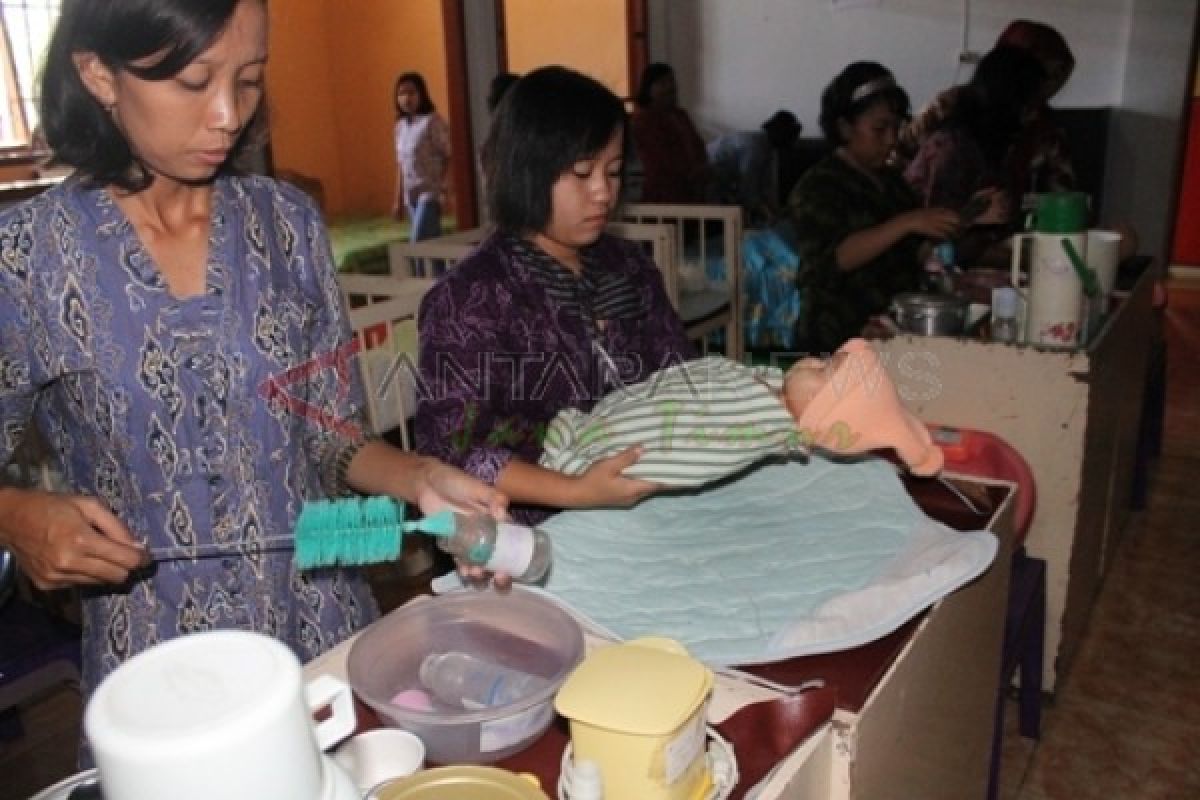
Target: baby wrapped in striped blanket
x,y
706,419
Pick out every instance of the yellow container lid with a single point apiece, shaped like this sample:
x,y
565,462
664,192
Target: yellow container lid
x,y
462,783
647,687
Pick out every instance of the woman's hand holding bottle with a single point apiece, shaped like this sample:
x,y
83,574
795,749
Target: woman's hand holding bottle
x,y
986,207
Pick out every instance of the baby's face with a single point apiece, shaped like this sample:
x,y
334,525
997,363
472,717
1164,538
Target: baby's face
x,y
806,378
802,383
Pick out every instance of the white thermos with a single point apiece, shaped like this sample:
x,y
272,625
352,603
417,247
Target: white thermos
x,y
1055,308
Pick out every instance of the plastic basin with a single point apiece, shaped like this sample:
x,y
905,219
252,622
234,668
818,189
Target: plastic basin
x,y
518,629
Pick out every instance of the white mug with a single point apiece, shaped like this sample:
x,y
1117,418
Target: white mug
x,y
221,714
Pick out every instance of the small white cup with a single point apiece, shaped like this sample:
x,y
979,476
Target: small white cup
x,y
379,756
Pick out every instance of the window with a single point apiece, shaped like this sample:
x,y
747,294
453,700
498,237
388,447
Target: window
x,y
27,25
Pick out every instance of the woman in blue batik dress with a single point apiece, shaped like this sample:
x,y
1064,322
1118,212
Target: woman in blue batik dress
x,y
175,332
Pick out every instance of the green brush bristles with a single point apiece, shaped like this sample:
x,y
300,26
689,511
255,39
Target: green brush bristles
x,y
349,532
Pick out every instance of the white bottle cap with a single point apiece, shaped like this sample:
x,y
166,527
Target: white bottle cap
x,y
586,781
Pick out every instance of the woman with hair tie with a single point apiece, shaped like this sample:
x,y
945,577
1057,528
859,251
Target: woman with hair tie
x,y
862,232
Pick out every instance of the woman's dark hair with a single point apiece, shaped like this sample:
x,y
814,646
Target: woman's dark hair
x,y
651,75
78,129
499,85
1007,81
550,119
424,101
1046,44
858,87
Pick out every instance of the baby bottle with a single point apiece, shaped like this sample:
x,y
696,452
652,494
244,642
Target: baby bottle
x,y
470,682
517,550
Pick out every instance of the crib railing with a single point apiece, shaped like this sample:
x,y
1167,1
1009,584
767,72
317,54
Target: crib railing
x,y
707,269
383,315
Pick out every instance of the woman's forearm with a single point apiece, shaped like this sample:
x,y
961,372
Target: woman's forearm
x,y
379,468
864,246
529,484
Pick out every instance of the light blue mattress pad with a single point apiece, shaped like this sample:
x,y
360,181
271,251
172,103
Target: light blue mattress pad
x,y
789,559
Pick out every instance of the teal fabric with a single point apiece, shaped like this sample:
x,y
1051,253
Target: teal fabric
x,y
789,559
769,269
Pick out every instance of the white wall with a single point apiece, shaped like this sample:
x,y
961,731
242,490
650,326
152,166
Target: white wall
x,y
1146,136
738,61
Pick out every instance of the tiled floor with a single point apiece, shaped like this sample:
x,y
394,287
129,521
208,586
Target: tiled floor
x,y
1125,725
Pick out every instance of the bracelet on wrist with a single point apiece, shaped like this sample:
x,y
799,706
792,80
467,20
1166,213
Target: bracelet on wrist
x,y
336,477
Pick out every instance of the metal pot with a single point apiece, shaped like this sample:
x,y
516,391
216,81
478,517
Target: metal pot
x,y
930,314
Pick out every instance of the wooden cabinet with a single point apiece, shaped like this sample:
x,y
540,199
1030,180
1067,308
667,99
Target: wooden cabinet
x,y
1074,416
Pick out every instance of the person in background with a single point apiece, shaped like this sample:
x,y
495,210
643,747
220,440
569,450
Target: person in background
x,y
670,149
745,166
152,307
498,87
862,233
1039,161
549,312
971,148
422,158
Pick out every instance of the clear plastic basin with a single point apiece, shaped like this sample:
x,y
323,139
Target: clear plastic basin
x,y
519,629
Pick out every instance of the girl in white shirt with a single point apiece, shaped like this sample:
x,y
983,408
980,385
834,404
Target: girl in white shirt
x,y
422,157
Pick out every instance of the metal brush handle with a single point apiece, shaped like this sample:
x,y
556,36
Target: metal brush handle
x,y
217,549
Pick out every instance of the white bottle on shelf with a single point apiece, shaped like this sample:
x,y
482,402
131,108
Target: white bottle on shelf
x,y
1005,327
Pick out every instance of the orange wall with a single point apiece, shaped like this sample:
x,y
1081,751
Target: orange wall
x,y
333,64
300,95
372,41
587,35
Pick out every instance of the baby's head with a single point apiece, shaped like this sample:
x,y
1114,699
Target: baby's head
x,y
848,404
806,378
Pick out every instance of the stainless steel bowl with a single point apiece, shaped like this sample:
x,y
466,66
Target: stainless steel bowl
x,y
930,314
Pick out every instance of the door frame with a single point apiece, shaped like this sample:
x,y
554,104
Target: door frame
x,y
466,198
462,168
1191,97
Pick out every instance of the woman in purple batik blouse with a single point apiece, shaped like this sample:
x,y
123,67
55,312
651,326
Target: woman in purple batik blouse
x,y
550,311
171,329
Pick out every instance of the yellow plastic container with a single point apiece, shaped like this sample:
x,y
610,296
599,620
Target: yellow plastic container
x,y
637,710
462,783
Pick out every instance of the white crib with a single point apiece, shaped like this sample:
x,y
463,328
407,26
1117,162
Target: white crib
x,y
383,313
706,273
430,258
